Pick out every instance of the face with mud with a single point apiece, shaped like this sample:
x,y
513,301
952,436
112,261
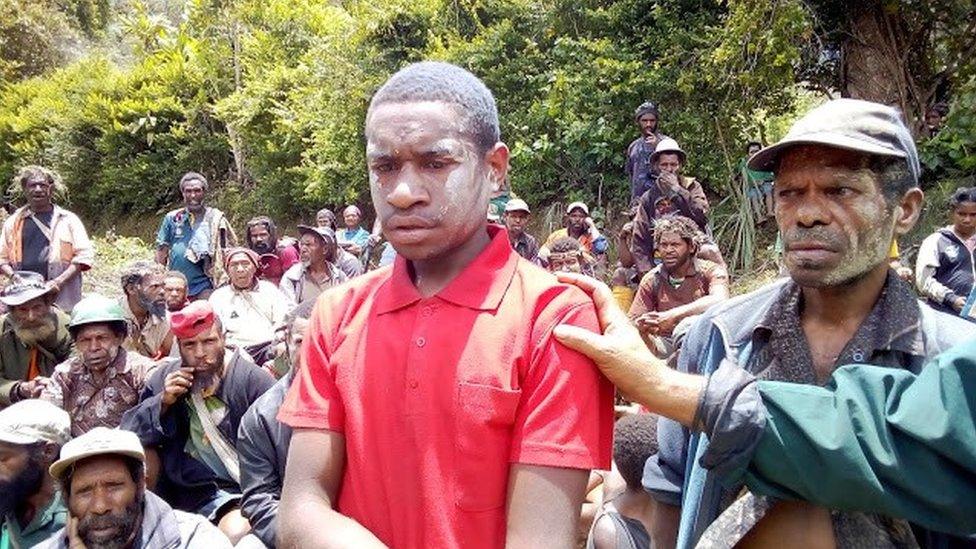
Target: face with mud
x,y
835,223
429,183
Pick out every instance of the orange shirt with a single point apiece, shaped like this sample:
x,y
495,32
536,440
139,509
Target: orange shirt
x,y
438,396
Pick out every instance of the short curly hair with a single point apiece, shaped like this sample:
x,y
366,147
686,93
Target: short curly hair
x,y
682,226
634,440
134,273
446,83
962,194
565,244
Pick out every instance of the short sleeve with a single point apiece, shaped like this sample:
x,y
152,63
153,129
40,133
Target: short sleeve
x,y
565,417
164,236
313,401
718,275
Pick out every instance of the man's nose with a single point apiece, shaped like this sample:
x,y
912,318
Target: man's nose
x,y
407,190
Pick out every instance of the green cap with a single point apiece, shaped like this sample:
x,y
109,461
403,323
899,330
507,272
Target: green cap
x,y
95,309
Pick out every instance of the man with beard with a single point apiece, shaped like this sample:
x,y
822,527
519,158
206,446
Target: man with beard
x,y
681,287
46,239
250,310
640,171
276,256
31,435
144,306
175,290
317,270
432,407
102,380
263,440
192,239
33,338
846,185
349,264
102,476
190,412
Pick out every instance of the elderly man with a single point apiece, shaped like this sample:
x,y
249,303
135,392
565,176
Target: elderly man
x,y
175,290
190,412
317,270
145,308
681,287
353,238
263,440
31,435
670,194
349,264
192,239
102,476
34,338
46,239
846,186
102,380
250,310
638,168
276,255
437,381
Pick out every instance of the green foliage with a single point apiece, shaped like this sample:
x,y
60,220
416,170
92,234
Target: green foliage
x,y
952,152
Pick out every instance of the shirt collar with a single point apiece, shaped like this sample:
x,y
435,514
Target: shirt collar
x,y
894,323
481,285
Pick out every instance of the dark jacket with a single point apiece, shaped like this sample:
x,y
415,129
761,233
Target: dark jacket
x,y
183,481
263,448
689,200
956,267
638,168
163,528
675,475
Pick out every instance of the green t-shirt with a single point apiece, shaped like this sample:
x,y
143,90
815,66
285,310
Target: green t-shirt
x,y
46,523
198,445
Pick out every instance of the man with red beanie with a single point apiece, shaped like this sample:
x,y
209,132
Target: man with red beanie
x,y
433,407
189,413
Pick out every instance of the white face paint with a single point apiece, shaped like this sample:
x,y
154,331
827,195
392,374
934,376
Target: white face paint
x,y
429,184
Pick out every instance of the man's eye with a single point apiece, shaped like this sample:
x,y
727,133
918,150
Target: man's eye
x,y
385,167
436,164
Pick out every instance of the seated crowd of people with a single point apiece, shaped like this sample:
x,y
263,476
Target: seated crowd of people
x,y
151,420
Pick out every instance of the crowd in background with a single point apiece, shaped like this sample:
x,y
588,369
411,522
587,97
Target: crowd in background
x,y
196,357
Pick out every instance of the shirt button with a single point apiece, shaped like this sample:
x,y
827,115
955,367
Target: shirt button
x,y
421,342
413,383
427,311
857,355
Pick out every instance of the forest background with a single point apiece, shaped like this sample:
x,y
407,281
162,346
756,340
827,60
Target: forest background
x,y
267,97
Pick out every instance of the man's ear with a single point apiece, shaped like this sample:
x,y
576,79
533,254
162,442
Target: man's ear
x,y
907,210
497,161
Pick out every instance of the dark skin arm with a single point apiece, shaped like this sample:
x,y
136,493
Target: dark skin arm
x,y
306,516
544,506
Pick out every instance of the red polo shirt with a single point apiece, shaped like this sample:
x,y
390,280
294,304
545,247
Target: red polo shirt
x,y
437,397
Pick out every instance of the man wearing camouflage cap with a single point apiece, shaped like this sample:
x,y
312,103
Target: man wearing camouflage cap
x,y
31,435
846,185
102,380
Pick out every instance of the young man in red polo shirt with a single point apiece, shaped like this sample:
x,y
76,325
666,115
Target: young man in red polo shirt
x,y
434,407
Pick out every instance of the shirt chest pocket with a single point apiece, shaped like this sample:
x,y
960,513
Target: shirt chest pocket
x,y
484,420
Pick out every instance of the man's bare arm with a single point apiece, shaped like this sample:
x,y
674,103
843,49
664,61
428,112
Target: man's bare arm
x,y
544,506
306,516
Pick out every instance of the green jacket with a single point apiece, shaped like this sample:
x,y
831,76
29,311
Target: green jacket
x,y
15,356
876,439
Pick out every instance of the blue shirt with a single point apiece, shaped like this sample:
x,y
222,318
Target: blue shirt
x,y
358,236
175,232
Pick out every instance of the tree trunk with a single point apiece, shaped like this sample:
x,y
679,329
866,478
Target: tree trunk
x,y
879,63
